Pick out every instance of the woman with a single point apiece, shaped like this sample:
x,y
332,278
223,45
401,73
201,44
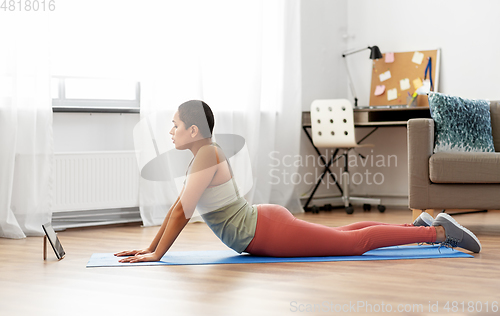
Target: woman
x,y
270,230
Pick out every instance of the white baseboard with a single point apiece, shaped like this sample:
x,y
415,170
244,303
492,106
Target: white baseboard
x,y
387,201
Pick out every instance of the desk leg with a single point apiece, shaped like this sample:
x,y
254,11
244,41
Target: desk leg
x,y
368,135
327,168
44,247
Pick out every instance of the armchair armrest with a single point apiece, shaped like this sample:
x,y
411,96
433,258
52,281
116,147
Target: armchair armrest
x,y
420,148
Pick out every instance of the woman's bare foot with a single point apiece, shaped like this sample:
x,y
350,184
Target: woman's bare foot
x,y
440,233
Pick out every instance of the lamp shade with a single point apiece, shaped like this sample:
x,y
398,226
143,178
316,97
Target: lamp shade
x,y
375,53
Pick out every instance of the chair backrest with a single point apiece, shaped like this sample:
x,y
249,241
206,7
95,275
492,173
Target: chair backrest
x,y
332,123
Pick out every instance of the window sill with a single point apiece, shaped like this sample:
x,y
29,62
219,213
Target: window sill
x,y
74,109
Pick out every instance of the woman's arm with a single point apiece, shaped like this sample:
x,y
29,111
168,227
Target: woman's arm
x,y
172,226
159,234
198,180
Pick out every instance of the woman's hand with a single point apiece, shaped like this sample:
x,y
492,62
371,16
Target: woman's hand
x,y
141,258
133,252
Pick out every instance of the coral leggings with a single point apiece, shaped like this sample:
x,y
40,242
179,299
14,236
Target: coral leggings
x,y
280,234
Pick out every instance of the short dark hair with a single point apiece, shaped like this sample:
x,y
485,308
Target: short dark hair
x,y
196,112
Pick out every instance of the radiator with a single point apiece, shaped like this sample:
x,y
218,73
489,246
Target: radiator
x,y
95,181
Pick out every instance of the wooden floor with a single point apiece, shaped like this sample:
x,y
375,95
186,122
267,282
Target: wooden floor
x,y
30,286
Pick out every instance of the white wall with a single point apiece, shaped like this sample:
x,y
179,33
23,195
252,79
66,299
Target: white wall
x,y
465,31
323,23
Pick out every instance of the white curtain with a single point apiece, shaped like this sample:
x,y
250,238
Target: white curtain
x,y
243,59
25,125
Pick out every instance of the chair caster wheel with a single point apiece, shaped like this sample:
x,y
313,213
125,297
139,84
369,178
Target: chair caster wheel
x,y
367,207
328,207
315,209
381,208
349,210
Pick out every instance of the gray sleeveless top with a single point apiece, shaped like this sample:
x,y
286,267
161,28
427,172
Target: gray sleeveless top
x,y
228,214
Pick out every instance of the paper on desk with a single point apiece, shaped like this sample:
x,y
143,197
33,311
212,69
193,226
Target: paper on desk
x,y
404,84
392,94
417,58
389,57
379,90
384,76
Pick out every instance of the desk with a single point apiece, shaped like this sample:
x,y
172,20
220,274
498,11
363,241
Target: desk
x,y
379,116
371,116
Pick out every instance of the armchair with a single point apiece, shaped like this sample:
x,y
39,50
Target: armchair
x,y
445,180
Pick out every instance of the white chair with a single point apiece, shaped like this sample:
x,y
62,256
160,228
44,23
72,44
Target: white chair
x,y
332,124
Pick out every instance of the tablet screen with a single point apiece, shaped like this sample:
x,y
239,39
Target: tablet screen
x,y
54,241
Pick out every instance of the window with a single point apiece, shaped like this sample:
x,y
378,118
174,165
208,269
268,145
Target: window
x,y
85,94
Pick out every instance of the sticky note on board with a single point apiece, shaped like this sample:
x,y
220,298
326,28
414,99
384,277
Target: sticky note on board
x,y
404,84
417,58
389,58
392,94
379,90
417,83
384,76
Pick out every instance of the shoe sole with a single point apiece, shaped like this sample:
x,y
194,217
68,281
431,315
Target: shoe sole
x,y
454,222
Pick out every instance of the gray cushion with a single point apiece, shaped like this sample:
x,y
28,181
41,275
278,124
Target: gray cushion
x,y
465,167
495,123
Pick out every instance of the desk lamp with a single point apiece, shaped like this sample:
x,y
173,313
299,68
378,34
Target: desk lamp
x,y
374,54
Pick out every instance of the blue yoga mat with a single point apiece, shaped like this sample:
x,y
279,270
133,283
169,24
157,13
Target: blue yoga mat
x,y
230,256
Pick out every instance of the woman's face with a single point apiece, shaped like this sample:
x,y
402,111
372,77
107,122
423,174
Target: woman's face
x,y
180,135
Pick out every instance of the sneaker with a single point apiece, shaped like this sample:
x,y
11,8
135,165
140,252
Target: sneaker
x,y
456,234
424,219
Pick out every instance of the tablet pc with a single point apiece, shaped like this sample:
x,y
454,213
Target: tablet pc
x,y
54,241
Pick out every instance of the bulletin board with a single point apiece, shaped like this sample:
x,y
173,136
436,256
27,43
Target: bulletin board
x,y
396,76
